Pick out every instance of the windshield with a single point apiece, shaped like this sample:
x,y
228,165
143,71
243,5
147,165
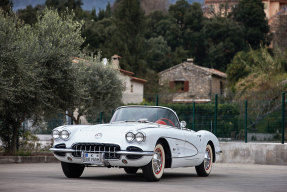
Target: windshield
x,y
152,114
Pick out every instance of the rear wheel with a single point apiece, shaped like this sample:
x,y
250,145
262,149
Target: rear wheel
x,y
204,169
154,170
72,170
131,170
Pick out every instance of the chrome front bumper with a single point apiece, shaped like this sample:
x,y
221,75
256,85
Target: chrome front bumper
x,y
143,153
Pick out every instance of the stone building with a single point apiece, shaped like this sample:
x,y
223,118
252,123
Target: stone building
x,y
275,10
133,86
218,7
271,7
189,83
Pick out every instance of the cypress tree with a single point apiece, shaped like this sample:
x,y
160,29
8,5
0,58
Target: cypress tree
x,y
250,13
128,40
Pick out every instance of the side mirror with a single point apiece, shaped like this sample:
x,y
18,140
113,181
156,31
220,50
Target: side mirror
x,y
183,124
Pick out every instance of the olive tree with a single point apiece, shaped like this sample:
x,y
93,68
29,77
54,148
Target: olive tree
x,y
102,88
36,73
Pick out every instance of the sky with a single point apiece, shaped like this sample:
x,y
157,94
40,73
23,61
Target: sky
x,y
87,4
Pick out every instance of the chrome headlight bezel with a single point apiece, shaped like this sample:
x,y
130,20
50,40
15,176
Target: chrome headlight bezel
x,y
135,136
130,137
65,134
56,134
140,137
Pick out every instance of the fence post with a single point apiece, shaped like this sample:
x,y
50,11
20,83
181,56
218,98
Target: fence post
x,y
101,117
193,116
245,135
156,100
283,117
215,114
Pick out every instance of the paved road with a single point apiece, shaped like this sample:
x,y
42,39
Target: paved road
x,y
224,177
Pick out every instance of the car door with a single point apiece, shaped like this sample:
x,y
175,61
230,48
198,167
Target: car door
x,y
177,142
184,148
192,143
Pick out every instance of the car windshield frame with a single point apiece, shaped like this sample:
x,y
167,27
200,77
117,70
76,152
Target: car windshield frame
x,y
154,114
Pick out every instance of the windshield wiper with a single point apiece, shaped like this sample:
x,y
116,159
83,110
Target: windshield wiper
x,y
125,121
128,121
143,121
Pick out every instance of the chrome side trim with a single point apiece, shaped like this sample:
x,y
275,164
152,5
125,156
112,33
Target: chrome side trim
x,y
143,153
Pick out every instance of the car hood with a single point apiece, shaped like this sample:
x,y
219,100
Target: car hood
x,y
104,133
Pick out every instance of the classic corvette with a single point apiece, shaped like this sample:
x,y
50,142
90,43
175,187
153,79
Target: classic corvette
x,y
150,138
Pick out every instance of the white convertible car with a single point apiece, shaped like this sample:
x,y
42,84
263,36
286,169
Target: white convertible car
x,y
150,138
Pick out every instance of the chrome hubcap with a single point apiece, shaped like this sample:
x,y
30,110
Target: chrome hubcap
x,y
157,161
207,159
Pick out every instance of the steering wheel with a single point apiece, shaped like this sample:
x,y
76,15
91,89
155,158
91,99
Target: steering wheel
x,y
160,121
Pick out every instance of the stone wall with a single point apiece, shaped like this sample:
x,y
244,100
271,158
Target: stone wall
x,y
199,81
133,91
279,25
216,84
253,153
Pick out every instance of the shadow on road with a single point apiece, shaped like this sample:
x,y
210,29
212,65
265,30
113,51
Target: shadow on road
x,y
139,177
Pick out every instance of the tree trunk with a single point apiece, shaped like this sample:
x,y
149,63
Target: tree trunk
x,y
75,120
15,137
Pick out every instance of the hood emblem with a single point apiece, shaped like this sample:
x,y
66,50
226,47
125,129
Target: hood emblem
x,y
98,135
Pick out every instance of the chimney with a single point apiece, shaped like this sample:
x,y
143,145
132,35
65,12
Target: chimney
x,y
116,62
190,60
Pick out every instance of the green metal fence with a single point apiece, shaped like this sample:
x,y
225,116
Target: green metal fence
x,y
254,120
242,121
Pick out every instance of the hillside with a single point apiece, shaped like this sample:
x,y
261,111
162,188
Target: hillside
x,y
87,4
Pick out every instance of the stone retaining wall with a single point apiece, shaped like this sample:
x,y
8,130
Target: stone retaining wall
x,y
253,153
28,159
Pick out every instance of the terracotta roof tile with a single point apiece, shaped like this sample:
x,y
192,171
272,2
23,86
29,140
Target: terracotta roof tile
x,y
116,56
209,70
214,72
127,72
138,80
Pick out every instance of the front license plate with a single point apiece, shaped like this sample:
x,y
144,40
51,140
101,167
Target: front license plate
x,y
92,158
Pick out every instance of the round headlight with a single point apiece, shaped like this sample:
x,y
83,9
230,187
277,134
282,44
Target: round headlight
x,y
55,134
140,137
65,134
130,136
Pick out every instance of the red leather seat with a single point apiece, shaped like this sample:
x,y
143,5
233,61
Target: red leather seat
x,y
161,122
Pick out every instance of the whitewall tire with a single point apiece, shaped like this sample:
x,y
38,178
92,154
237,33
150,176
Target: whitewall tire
x,y
131,170
204,169
154,170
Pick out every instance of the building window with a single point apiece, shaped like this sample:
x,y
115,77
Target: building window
x,y
132,88
179,86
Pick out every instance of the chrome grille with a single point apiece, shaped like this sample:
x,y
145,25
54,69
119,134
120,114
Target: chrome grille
x,y
109,150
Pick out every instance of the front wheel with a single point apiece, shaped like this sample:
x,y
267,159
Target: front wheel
x,y
154,170
72,170
204,169
131,170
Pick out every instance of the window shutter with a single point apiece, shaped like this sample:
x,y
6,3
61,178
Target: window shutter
x,y
186,86
171,84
